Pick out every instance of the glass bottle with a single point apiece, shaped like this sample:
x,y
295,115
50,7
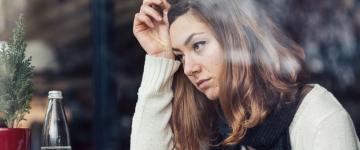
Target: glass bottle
x,y
55,135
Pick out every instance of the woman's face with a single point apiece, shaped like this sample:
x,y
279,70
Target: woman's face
x,y
201,54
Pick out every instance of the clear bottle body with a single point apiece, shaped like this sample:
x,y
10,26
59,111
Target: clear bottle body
x,y
55,134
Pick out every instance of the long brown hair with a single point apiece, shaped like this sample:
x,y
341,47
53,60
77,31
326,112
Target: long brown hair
x,y
262,71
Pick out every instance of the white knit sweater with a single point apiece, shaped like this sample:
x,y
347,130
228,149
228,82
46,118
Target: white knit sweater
x,y
320,123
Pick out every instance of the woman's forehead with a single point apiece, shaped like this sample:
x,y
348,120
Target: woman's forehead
x,y
186,25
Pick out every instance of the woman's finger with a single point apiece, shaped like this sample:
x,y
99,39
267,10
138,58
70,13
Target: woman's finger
x,y
166,5
148,2
144,19
165,18
150,12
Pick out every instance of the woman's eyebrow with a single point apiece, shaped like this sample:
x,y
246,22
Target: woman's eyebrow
x,y
187,40
176,50
191,36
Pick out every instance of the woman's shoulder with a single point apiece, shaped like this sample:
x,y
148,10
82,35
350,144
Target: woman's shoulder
x,y
322,122
321,100
318,105
320,110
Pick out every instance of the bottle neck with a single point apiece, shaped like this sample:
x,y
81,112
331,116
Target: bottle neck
x,y
55,101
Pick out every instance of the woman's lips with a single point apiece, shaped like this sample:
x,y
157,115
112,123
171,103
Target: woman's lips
x,y
203,84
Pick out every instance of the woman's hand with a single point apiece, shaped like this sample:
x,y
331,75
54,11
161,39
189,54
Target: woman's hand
x,y
151,28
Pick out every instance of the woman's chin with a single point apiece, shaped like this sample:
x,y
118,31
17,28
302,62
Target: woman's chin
x,y
212,98
212,95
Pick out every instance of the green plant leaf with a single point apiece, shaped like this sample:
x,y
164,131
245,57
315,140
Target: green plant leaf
x,y
15,73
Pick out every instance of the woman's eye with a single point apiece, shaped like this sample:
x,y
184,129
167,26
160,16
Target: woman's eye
x,y
198,45
179,58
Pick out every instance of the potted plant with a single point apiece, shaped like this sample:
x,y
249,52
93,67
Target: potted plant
x,y
15,90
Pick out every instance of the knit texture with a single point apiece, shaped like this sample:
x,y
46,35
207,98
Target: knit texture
x,y
271,134
150,128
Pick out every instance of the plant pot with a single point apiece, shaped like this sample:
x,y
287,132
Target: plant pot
x,y
15,139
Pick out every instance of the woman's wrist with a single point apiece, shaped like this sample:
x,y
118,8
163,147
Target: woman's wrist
x,y
163,54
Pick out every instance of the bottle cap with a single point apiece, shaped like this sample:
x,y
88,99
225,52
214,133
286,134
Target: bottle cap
x,y
55,94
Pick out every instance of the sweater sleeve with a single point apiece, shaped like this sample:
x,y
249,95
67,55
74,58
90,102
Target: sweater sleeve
x,y
150,125
336,132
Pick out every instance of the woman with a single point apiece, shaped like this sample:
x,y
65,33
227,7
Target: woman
x,y
240,84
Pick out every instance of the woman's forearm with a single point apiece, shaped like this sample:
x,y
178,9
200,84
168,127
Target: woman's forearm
x,y
150,126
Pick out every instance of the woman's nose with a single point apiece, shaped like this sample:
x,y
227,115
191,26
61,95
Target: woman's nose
x,y
191,66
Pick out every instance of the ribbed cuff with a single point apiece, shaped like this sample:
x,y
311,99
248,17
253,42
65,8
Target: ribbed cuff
x,y
158,74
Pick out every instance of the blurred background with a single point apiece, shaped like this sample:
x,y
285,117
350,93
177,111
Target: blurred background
x,y
86,49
